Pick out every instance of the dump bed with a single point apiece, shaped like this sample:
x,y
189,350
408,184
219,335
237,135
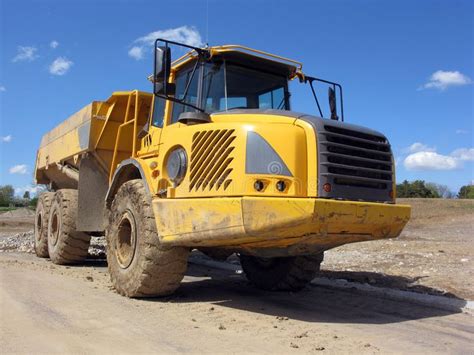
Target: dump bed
x,y
104,129
69,138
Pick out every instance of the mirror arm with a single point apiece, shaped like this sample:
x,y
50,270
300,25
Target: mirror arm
x,y
202,53
310,79
315,97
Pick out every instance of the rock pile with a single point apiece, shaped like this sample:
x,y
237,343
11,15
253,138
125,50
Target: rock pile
x,y
97,247
22,242
25,242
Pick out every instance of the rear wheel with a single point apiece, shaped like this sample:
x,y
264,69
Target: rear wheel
x,y
281,274
65,244
139,265
41,224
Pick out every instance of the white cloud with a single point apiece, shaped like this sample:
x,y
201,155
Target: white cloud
x,y
419,147
136,52
21,169
6,139
466,154
2,88
430,161
32,189
422,157
54,44
25,54
184,34
441,80
462,131
60,66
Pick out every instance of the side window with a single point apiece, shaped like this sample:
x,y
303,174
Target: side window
x,y
158,112
191,96
272,99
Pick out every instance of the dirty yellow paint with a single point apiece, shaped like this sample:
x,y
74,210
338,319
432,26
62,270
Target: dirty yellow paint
x,y
275,222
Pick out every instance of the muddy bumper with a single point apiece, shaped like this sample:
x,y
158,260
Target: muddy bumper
x,y
295,225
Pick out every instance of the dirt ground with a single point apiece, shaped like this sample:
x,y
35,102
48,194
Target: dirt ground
x,y
16,221
48,308
434,254
51,309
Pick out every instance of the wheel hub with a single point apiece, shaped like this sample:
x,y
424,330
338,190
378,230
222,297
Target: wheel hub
x,y
39,225
126,240
55,227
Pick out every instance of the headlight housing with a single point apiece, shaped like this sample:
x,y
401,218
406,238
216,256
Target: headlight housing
x,y
261,158
176,165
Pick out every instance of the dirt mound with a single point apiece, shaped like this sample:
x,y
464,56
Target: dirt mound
x,y
19,212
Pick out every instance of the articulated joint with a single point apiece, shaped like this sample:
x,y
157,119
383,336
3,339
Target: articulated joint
x,y
68,171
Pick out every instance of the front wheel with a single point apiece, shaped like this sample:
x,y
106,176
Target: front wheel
x,y
139,265
281,274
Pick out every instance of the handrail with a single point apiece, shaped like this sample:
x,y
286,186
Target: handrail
x,y
133,96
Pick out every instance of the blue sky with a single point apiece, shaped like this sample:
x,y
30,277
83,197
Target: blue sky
x,y
406,66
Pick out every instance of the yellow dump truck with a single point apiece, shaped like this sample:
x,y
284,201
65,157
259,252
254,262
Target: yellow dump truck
x,y
214,159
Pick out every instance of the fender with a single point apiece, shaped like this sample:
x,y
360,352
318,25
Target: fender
x,y
128,169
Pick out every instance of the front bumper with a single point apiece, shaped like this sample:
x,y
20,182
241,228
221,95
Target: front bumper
x,y
287,226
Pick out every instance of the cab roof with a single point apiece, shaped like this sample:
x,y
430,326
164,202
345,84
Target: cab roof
x,y
245,55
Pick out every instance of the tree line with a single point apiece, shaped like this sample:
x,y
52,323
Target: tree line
x,y
422,189
8,198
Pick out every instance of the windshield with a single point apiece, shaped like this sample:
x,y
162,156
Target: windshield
x,y
227,86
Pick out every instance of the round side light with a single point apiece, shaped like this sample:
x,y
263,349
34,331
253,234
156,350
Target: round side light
x,y
281,186
258,185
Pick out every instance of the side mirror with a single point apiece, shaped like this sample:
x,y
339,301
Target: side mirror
x,y
162,70
162,63
332,103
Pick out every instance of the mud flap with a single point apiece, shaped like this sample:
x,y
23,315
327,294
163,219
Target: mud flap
x,y
93,186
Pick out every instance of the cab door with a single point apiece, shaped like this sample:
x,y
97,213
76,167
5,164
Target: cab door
x,y
151,142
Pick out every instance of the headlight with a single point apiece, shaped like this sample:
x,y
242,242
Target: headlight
x,y
176,165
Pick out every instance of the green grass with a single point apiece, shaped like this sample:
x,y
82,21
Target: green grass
x,y
6,209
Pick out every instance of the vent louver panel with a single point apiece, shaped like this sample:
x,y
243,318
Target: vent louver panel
x,y
358,164
211,158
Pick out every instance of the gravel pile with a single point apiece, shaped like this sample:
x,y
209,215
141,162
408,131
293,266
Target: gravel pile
x,y
22,242
97,247
25,243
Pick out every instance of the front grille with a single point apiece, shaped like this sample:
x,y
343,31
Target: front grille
x,y
211,158
357,162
